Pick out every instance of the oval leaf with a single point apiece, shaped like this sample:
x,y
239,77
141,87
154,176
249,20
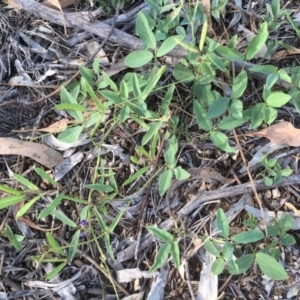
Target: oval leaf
x,y
161,257
164,181
138,58
250,236
278,99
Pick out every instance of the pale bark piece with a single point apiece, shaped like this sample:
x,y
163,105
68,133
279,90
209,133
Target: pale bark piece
x,y
128,275
38,152
281,133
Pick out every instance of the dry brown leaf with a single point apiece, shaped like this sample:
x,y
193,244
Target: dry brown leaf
x,y
43,154
58,126
12,3
284,53
281,133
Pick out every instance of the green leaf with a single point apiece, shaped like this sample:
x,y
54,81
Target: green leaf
x,y
49,209
26,182
168,45
101,222
183,74
268,181
258,42
9,190
54,246
210,248
175,253
124,113
164,181
66,97
55,271
257,115
270,266
218,266
138,58
45,176
108,246
270,114
70,135
161,234
73,246
239,84
161,257
221,141
231,54
70,106
247,237
231,122
287,239
27,205
181,174
296,76
149,134
11,200
136,175
217,61
12,238
278,99
272,230
265,69
100,187
136,86
236,109
87,74
271,80
63,218
222,223
218,107
164,108
241,265
112,96
285,223
116,221
227,251
286,172
200,113
171,150
144,31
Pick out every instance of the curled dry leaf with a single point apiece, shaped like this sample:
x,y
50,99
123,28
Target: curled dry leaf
x,y
281,133
38,152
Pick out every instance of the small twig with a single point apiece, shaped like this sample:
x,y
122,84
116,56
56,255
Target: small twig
x,y
251,179
186,264
89,259
145,200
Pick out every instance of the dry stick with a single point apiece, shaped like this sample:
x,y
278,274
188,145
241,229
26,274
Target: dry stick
x,y
145,200
250,177
89,259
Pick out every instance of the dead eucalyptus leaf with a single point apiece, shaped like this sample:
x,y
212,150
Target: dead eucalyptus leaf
x,y
58,126
38,152
281,133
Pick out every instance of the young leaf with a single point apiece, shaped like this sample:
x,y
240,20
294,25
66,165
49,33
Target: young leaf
x,y
161,234
241,265
278,99
100,187
161,257
66,97
287,239
258,42
136,175
171,150
285,223
101,222
11,200
26,182
62,217
138,58
183,74
270,266
218,107
236,109
45,176
200,113
210,247
164,181
9,190
168,45
26,206
116,221
175,253
247,237
55,271
222,223
216,60
149,134
164,108
54,246
49,209
271,80
239,84
108,246
73,246
144,31
70,106
70,135
231,122
181,174
231,54
257,115
218,266
221,141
